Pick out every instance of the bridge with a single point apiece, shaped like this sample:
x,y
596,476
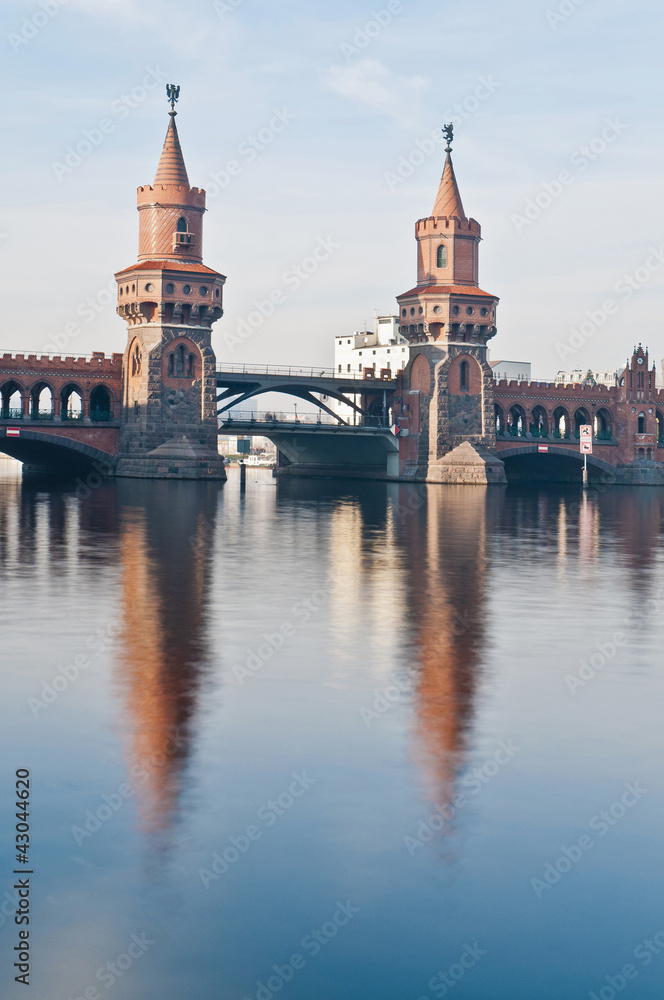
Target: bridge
x,y
155,411
319,445
243,382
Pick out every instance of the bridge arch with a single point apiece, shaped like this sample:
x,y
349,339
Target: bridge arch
x,y
39,404
70,393
11,395
603,424
561,422
527,462
55,453
499,418
516,421
581,416
539,421
101,403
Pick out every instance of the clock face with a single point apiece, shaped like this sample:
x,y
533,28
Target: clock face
x,y
640,360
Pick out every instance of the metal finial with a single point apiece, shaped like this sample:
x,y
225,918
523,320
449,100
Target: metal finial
x,y
448,132
173,94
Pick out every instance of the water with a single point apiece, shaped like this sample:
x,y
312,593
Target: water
x,y
397,670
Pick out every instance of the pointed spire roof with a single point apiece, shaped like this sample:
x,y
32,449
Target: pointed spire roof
x,y
448,199
171,169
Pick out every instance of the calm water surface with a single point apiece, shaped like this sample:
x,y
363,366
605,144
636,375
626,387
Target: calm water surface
x,y
329,741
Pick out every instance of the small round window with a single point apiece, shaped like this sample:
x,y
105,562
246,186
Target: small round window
x,y
170,287
455,310
403,312
187,289
149,287
469,310
484,311
436,309
203,290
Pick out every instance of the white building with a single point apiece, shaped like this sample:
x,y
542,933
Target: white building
x,y
579,376
510,370
381,349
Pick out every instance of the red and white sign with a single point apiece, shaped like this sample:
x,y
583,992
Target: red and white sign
x,y
542,447
586,447
586,432
13,432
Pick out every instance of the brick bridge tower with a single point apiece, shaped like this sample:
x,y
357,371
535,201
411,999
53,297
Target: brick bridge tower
x,y
169,300
448,398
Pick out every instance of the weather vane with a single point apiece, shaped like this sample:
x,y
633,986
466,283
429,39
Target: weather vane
x,y
173,94
448,132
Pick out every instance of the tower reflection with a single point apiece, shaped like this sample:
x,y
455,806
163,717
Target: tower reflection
x,y
444,536
166,559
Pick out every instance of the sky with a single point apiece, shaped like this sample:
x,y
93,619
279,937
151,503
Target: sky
x,y
310,125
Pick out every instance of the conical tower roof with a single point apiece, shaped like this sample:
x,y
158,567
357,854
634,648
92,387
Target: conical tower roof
x,y
448,199
171,169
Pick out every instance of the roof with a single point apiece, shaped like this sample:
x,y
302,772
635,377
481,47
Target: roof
x,y
448,200
169,265
171,169
446,289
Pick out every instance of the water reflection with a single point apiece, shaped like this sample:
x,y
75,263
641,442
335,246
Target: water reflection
x,y
166,558
447,572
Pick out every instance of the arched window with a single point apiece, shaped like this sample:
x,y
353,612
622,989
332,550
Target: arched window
x,y
642,423
190,365
539,423
660,427
100,404
500,420
463,375
71,403
171,364
561,423
441,256
136,360
182,224
12,404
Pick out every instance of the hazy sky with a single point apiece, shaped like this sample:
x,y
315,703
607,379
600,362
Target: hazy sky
x,y
542,89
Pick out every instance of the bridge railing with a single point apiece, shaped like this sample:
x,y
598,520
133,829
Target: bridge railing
x,y
270,418
293,371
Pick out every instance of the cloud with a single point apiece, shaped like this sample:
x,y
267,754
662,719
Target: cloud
x,y
372,85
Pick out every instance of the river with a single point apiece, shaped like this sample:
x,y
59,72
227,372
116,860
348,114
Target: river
x,y
330,740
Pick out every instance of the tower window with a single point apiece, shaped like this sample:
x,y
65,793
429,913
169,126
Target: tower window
x,y
441,256
642,423
182,224
463,375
